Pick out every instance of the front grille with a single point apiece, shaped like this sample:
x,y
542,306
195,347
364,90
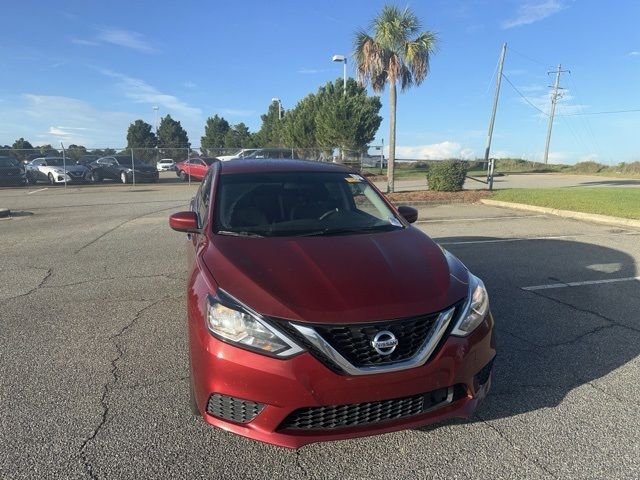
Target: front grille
x,y
353,342
359,414
233,409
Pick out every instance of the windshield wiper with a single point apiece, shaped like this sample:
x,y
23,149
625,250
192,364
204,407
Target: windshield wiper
x,y
238,234
347,230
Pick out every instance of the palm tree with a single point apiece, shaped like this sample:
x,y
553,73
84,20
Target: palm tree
x,y
396,52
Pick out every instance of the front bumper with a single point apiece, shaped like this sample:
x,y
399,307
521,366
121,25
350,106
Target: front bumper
x,y
281,387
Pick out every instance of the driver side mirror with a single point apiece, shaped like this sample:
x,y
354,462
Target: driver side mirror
x,y
184,222
410,214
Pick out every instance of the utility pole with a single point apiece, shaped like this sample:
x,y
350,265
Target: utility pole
x,y
495,103
554,99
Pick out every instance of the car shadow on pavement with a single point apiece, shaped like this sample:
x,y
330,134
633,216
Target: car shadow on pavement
x,y
552,341
612,183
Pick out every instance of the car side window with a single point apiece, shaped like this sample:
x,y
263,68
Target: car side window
x,y
204,197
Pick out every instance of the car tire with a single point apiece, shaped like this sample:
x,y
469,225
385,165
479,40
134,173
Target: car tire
x,y
183,176
95,177
123,178
52,180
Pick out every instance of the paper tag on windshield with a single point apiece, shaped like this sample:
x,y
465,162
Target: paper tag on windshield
x,y
353,178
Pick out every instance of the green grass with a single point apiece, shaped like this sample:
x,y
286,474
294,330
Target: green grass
x,y
615,201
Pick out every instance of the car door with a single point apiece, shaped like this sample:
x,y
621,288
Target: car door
x,y
198,168
40,173
111,168
200,205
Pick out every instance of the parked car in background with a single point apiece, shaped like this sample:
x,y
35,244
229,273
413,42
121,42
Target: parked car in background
x,y
12,172
239,154
196,168
56,170
87,160
316,312
123,169
273,153
166,164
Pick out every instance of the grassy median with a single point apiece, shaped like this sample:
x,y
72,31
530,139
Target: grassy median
x,y
615,201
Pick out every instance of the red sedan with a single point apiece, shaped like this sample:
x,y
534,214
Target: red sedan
x,y
317,312
194,168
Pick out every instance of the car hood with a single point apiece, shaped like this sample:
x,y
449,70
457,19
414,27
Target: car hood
x,y
68,168
338,279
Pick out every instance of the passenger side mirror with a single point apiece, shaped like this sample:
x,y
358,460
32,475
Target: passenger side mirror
x,y
410,214
184,222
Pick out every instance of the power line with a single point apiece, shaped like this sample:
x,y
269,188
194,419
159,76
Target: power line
x,y
599,113
546,65
523,97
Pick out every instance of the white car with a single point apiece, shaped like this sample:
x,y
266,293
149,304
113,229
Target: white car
x,y
56,170
166,164
245,152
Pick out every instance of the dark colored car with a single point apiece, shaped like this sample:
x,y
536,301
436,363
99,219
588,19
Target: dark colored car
x,y
317,312
87,160
123,169
196,168
12,172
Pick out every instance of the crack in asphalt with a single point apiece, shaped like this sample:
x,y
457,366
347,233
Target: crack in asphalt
x,y
107,387
135,386
49,272
104,234
104,279
515,447
611,321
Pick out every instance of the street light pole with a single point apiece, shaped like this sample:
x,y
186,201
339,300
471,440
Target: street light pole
x,y
343,59
277,100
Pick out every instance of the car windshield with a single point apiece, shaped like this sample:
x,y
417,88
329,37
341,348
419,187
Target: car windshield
x,y
300,204
55,162
8,162
126,161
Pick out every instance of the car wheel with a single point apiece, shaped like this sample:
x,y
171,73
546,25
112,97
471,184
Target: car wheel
x,y
52,180
95,177
183,176
123,177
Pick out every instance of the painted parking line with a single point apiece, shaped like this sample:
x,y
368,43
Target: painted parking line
x,y
579,284
479,219
39,190
525,239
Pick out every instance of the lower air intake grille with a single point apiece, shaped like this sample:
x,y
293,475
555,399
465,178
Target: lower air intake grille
x,y
357,414
233,409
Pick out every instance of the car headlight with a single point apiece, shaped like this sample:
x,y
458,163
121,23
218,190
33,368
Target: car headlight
x,y
234,323
475,308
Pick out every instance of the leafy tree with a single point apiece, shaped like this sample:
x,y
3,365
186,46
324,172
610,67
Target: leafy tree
x,y
349,120
270,133
395,53
21,147
172,139
215,131
140,136
299,126
238,137
75,151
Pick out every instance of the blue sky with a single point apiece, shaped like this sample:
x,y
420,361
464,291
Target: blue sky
x,y
82,71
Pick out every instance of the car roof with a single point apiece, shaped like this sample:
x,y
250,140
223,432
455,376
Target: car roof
x,y
261,165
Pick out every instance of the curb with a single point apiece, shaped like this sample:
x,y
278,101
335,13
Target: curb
x,y
428,203
587,217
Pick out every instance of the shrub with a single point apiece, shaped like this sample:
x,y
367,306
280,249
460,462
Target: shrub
x,y
588,167
446,176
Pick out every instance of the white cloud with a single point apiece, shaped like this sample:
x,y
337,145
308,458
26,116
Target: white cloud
x,y
125,38
634,53
533,12
141,92
79,122
189,85
564,106
84,41
434,151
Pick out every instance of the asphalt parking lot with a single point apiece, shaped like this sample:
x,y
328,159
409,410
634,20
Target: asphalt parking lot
x,y
94,367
